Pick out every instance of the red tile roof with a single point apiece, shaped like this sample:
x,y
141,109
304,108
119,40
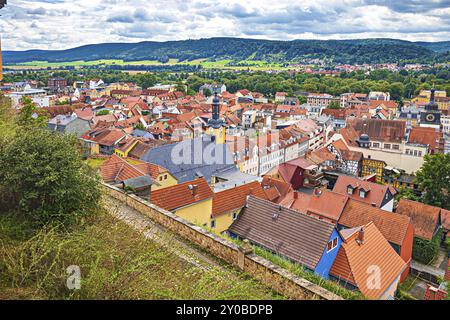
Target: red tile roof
x,y
379,130
116,170
393,226
327,204
181,195
445,219
355,261
432,293
426,136
275,189
375,193
424,218
235,198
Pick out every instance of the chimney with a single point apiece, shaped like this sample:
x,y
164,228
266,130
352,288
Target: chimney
x,y
295,195
360,236
194,190
317,192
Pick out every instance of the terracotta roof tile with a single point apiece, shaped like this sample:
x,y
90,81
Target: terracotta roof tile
x,y
327,204
235,198
424,218
116,170
180,195
379,130
432,293
393,226
425,136
280,188
375,193
445,219
354,260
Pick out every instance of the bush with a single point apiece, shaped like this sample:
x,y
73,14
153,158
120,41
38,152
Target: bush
x,y
425,251
43,178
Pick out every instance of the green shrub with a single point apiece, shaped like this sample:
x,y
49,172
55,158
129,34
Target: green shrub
x,y
425,251
43,178
103,113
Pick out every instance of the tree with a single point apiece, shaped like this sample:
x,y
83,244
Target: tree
x,y
30,115
207,92
103,112
397,90
43,178
434,179
333,105
146,80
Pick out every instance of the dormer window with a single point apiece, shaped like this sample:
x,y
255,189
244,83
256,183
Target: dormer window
x,y
362,193
350,190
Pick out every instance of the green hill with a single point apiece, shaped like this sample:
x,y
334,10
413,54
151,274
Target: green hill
x,y
236,49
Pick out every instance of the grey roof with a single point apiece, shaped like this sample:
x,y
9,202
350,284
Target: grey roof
x,y
289,233
139,182
188,159
234,178
141,133
69,125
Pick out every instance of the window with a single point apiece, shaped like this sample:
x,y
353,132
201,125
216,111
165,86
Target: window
x,y
234,215
165,177
395,147
213,224
375,144
362,193
349,190
160,178
332,244
387,146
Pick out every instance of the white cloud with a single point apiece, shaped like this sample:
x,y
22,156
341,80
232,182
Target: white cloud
x,y
58,24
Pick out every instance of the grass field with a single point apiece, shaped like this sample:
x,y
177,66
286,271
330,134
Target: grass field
x,y
254,65
116,262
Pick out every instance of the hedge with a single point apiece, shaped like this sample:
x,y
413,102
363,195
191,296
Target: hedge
x,y
425,251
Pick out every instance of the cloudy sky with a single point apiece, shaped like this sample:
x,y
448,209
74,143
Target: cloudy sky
x,y
59,24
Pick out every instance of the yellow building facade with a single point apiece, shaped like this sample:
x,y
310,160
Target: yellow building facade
x,y
197,213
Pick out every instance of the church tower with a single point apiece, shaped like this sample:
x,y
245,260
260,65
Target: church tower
x,y
216,126
431,116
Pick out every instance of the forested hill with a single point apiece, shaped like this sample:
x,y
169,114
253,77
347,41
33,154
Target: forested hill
x,y
340,51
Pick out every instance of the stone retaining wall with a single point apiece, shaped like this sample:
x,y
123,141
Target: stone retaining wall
x,y
278,279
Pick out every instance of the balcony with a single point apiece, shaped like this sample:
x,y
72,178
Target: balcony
x,y
312,178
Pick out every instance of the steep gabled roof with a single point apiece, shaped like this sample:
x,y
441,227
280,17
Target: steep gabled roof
x,y
235,198
181,195
275,189
117,170
424,218
356,262
375,193
289,233
393,226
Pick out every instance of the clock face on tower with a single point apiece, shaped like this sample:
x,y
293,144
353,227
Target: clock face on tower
x,y
430,117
